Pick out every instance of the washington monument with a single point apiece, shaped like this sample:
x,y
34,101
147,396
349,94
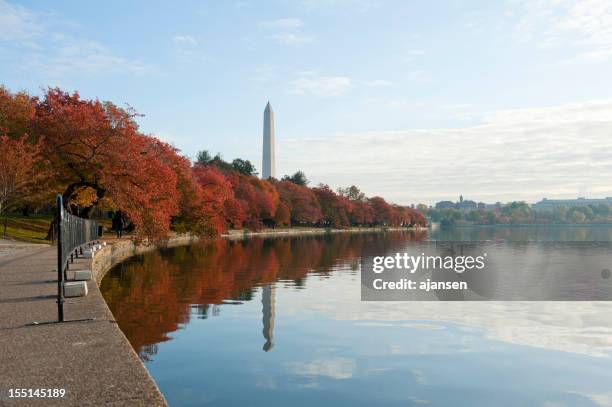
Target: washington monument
x,y
268,167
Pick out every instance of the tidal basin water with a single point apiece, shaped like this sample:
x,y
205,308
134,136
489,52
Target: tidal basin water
x,y
280,322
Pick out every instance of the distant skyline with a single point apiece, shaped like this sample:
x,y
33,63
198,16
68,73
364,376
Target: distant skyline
x,y
413,101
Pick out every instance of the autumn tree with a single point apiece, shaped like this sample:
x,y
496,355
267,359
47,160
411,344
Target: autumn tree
x,y
282,217
362,213
17,160
258,198
383,212
301,202
94,149
17,112
218,207
335,208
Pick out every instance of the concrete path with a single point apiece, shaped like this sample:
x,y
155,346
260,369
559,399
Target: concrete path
x,y
91,360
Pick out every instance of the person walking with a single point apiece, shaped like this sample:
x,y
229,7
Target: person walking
x,y
118,223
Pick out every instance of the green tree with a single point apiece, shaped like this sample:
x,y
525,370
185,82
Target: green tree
x,y
298,178
603,209
203,158
244,166
353,193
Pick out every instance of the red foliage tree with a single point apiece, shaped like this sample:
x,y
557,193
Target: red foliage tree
x,y
417,218
17,174
301,202
335,208
383,212
283,214
362,213
258,198
216,201
97,146
17,112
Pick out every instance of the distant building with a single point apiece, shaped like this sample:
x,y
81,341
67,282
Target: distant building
x,y
496,205
467,205
445,205
550,204
462,204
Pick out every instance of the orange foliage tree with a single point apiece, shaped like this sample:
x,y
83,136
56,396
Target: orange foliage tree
x,y
17,159
258,199
300,201
217,205
335,208
96,145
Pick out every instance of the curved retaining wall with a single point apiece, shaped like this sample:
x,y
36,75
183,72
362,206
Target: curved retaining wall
x,y
117,251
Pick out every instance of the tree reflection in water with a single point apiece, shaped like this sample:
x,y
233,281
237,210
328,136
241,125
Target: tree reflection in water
x,y
154,294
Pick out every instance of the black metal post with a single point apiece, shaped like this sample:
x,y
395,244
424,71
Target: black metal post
x,y
60,265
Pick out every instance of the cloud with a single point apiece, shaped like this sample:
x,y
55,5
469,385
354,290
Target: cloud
x,y
377,83
582,327
417,76
520,154
184,40
338,368
583,25
288,36
323,86
283,23
83,57
360,6
18,23
292,39
34,43
264,74
414,54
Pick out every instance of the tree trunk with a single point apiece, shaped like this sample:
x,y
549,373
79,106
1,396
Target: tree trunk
x,y
72,209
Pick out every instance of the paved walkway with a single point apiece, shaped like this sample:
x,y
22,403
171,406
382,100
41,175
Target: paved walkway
x,y
92,360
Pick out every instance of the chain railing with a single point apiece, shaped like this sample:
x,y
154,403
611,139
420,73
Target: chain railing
x,y
72,234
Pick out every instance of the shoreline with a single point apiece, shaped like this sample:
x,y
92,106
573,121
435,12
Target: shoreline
x,y
119,250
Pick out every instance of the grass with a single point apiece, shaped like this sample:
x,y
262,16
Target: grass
x,y
31,229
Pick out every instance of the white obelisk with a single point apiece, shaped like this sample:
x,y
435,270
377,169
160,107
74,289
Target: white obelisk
x,y
268,167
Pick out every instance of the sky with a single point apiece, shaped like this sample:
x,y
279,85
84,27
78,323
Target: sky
x,y
415,101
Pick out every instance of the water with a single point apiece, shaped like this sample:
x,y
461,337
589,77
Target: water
x,y
266,322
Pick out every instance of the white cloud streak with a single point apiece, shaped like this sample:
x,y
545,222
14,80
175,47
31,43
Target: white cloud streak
x,y
185,40
292,39
322,86
378,83
583,24
283,23
31,44
522,154
17,23
289,34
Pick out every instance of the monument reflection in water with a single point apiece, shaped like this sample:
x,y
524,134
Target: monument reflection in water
x,y
196,316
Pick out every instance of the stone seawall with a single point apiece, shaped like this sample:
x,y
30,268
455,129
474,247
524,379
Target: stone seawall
x,y
237,234
120,250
